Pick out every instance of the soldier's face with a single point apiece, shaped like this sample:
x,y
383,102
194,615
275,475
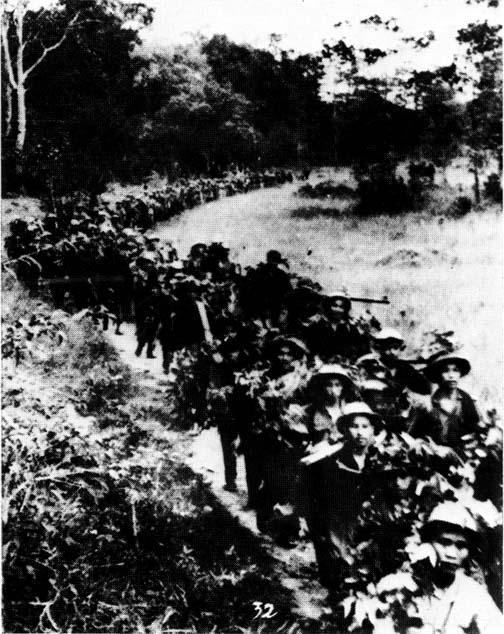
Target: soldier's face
x,y
285,357
452,549
333,389
338,308
361,432
450,375
391,349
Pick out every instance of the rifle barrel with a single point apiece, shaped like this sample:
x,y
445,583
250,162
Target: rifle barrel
x,y
367,300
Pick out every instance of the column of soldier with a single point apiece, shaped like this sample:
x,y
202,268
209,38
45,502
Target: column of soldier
x,y
81,249
310,394
314,399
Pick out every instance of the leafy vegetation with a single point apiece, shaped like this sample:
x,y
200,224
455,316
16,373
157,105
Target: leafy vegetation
x,y
102,531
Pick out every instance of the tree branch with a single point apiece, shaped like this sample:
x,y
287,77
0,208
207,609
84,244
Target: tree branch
x,y
48,49
7,55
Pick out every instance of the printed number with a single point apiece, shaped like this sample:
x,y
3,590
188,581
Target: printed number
x,y
264,610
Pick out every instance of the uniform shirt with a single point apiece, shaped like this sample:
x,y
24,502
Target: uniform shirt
x,y
446,428
463,607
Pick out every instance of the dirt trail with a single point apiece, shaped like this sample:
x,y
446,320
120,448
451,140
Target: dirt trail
x,y
249,224
202,452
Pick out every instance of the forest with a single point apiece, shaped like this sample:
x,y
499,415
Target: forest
x,y
85,104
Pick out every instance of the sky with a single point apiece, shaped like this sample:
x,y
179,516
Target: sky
x,y
305,24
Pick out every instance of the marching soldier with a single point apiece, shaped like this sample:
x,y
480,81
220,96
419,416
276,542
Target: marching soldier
x,y
267,287
330,389
399,376
452,413
336,334
148,315
338,486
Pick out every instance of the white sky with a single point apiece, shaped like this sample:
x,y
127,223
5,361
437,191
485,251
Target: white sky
x,y
304,24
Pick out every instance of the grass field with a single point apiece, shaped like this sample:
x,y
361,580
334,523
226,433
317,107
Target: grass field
x,y
438,272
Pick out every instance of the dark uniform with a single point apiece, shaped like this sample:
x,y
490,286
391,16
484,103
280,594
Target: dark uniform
x,y
446,428
338,488
148,316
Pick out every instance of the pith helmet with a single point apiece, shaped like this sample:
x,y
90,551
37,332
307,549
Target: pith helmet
x,y
389,334
295,344
436,362
340,293
358,408
329,370
450,515
374,385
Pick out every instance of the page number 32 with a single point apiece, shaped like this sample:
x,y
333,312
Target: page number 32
x,y
264,610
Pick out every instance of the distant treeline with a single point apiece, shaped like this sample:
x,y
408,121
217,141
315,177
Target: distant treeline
x,y
92,106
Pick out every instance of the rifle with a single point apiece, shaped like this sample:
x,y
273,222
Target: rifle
x,y
368,300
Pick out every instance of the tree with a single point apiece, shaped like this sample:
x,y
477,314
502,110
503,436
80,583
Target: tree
x,y
483,131
74,61
285,92
190,118
31,36
16,37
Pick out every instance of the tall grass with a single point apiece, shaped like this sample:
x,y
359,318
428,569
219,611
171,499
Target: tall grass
x,y
440,272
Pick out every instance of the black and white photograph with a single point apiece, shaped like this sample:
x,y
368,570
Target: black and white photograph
x,y
252,309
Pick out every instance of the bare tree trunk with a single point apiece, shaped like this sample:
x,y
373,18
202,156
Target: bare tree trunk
x,y
8,110
21,91
21,119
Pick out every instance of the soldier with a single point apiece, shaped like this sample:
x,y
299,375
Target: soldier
x,y
195,263
400,377
337,335
193,321
451,601
229,358
389,343
217,262
148,321
267,287
338,487
282,445
303,310
329,389
452,413
285,353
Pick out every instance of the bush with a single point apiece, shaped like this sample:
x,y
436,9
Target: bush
x,y
461,206
312,211
326,189
493,188
102,532
381,192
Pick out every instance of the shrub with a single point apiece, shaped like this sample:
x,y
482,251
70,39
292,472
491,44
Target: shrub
x,y
493,188
381,192
461,206
326,189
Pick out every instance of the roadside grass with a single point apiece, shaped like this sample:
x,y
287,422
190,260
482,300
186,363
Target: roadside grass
x,y
105,529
